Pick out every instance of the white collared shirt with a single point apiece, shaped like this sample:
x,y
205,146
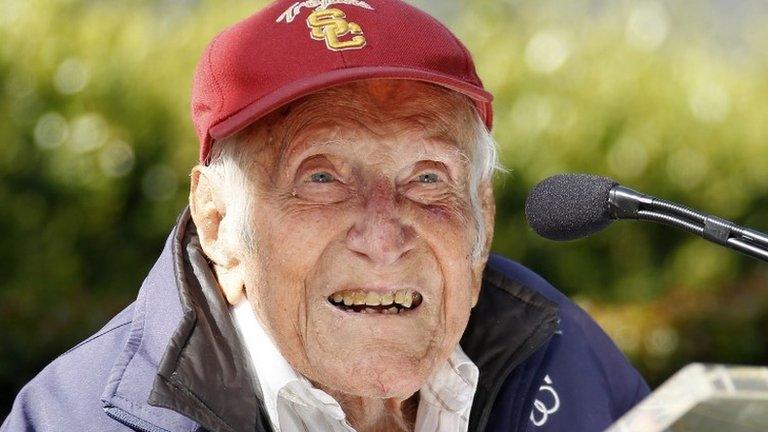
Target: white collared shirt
x,y
294,404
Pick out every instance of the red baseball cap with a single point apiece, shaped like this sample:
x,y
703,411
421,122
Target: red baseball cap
x,y
291,49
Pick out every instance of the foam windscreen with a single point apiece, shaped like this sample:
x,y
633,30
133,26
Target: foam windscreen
x,y
569,206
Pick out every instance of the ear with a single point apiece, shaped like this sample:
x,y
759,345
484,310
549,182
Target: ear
x,y
208,210
488,210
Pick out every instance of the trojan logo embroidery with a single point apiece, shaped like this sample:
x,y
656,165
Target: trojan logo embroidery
x,y
330,24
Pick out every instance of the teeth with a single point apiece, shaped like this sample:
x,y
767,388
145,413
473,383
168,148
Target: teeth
x,y
349,298
373,302
359,298
387,299
404,297
400,296
408,300
390,311
372,299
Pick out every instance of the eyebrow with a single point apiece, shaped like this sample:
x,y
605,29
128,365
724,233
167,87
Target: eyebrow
x,y
437,145
455,160
448,146
445,147
288,150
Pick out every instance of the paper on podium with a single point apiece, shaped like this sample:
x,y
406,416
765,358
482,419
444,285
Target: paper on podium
x,y
703,398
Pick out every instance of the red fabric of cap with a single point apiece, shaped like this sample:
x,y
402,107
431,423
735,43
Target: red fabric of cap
x,y
272,58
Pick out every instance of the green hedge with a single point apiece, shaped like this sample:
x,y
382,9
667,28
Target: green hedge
x,y
97,144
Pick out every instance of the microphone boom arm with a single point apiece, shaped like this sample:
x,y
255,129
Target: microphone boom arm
x,y
625,203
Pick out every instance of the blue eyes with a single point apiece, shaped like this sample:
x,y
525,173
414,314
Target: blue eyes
x,y
428,178
326,177
322,177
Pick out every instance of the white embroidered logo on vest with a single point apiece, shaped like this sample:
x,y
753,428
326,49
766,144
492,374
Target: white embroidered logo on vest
x,y
547,403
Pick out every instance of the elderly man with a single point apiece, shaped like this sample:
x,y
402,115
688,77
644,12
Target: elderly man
x,y
332,271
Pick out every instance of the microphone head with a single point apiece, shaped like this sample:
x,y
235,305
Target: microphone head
x,y
569,206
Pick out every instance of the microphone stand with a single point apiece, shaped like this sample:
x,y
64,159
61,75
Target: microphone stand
x,y
626,203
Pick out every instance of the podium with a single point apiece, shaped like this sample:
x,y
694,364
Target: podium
x,y
703,398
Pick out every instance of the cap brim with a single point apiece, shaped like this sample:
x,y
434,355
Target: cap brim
x,y
291,92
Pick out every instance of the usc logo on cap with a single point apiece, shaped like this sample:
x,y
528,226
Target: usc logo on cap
x,y
330,25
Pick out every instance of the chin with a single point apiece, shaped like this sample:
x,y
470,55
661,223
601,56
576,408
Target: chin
x,y
376,375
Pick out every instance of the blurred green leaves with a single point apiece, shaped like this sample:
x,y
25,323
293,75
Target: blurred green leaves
x,y
96,147
640,92
97,144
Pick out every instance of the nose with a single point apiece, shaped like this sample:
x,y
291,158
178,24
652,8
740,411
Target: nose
x,y
380,234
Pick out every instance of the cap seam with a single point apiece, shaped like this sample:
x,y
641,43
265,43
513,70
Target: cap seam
x,y
343,60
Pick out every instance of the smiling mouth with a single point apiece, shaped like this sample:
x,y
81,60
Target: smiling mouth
x,y
371,302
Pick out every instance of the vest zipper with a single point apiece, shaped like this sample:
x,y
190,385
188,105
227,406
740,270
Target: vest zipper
x,y
543,334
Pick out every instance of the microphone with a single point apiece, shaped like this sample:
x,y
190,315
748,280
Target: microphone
x,y
572,206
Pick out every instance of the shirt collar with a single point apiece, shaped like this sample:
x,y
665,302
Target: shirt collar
x,y
272,370
448,391
452,386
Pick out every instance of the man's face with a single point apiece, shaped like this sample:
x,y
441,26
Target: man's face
x,y
363,233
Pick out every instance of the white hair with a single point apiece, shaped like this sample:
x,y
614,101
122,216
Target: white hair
x,y
483,163
232,159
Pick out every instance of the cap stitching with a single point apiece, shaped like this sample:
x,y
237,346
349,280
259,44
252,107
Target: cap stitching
x,y
343,60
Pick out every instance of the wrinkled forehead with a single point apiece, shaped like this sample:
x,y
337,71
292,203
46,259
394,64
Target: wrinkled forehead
x,y
381,108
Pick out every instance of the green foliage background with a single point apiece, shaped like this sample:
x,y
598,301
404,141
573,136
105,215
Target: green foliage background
x,y
96,144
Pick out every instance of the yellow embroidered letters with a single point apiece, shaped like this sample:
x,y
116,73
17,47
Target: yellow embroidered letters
x,y
331,25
